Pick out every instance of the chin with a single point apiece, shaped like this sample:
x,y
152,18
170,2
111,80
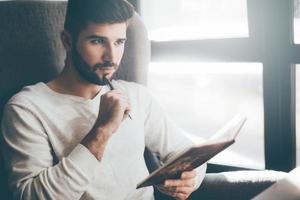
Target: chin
x,y
97,82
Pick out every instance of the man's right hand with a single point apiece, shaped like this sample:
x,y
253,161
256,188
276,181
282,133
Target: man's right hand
x,y
114,107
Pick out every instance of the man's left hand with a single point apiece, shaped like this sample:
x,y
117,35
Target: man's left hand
x,y
182,188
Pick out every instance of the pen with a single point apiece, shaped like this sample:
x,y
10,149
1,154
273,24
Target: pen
x,y
112,88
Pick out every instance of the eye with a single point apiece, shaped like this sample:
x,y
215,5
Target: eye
x,y
120,42
97,41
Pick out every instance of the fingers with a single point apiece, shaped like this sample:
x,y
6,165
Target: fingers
x,y
118,94
121,100
181,188
165,190
177,192
180,193
188,174
114,108
174,191
180,183
114,92
179,196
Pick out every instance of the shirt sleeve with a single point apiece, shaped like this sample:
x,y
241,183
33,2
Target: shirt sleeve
x,y
29,160
164,138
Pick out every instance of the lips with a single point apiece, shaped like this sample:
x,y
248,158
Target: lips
x,y
106,68
109,71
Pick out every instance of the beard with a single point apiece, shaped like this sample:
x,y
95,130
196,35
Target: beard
x,y
88,72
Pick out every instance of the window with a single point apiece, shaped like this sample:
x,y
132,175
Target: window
x,y
298,113
297,66
202,97
257,33
297,21
195,19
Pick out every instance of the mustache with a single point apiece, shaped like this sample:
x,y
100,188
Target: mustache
x,y
105,64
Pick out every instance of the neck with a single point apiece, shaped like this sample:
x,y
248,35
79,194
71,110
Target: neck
x,y
70,82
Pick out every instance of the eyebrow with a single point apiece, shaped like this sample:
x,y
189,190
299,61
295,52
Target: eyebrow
x,y
103,38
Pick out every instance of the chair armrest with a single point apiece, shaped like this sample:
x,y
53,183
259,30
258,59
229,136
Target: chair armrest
x,y
238,185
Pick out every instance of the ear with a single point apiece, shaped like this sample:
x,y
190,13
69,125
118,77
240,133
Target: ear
x,y
66,39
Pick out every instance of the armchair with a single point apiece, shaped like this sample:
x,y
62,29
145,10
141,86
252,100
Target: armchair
x,y
30,51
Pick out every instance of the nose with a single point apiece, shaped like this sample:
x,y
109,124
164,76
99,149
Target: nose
x,y
110,54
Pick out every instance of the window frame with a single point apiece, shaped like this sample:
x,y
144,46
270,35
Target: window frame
x,y
271,43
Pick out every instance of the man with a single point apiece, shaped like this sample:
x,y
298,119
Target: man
x,y
71,138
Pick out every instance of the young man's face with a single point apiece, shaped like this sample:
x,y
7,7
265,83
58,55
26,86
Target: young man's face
x,y
98,51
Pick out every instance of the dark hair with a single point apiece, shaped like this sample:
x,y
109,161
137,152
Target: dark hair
x,y
81,12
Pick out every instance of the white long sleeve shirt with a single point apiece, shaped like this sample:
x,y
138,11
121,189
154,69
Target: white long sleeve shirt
x,y
42,131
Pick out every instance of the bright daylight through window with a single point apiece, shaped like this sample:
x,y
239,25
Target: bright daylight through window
x,y
297,21
297,41
195,19
202,97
